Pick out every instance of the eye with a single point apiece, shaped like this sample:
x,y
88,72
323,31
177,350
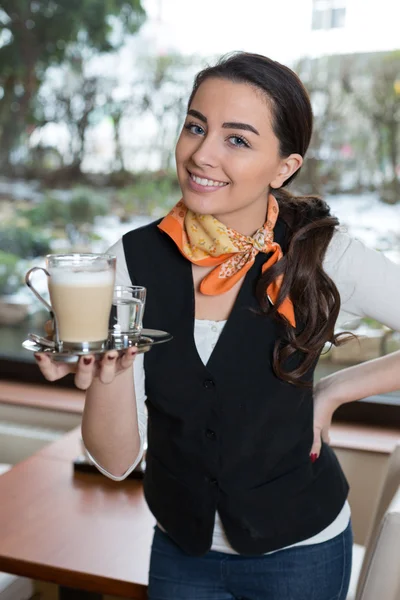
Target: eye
x,y
194,128
239,141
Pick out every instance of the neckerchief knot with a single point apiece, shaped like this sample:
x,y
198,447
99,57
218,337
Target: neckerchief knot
x,y
205,241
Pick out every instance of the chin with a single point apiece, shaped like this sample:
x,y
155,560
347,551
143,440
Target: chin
x,y
203,204
199,205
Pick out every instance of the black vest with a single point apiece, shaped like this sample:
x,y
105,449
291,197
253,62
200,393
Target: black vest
x,y
229,436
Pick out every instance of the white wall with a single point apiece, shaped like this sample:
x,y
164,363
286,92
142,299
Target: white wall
x,y
280,29
371,26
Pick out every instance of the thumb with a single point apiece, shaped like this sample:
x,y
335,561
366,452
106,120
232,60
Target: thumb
x,y
316,447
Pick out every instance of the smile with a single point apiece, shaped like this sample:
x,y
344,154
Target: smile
x,y
206,182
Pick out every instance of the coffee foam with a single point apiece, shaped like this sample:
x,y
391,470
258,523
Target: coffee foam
x,y
66,277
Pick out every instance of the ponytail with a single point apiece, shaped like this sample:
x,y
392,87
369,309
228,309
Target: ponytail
x,y
316,299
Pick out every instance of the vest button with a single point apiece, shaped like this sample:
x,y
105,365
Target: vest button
x,y
211,434
213,481
208,384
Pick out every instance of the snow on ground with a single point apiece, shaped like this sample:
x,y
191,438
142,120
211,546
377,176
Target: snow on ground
x,y
364,217
371,221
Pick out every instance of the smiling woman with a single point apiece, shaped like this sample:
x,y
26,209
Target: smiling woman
x,y
212,155
249,497
232,97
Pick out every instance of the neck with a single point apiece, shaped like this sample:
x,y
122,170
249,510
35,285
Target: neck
x,y
245,221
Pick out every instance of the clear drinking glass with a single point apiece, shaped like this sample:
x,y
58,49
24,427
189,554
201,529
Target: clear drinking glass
x,y
128,309
81,293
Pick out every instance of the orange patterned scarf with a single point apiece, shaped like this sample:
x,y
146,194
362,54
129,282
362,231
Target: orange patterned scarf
x,y
205,241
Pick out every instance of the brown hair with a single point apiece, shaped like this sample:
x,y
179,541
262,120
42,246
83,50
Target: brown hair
x,y
310,226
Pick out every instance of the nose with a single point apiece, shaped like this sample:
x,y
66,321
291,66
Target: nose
x,y
206,154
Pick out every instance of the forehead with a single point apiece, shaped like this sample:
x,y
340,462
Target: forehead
x,y
222,101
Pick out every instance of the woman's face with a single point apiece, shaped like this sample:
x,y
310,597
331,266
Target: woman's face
x,y
227,155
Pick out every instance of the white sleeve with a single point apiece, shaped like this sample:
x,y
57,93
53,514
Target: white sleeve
x,y
367,280
122,274
122,278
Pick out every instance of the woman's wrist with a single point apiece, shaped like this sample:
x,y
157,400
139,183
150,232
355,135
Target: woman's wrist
x,y
335,390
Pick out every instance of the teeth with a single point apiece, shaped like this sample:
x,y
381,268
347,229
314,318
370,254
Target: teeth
x,y
207,182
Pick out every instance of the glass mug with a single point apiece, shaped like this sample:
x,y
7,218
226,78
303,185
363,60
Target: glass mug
x,y
81,294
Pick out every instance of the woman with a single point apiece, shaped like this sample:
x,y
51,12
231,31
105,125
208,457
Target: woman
x,y
249,280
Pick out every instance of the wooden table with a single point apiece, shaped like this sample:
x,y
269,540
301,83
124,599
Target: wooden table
x,y
78,530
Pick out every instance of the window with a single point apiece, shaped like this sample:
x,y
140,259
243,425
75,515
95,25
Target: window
x,y
87,150
328,14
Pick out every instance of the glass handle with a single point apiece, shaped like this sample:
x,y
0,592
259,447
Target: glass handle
x,y
43,301
31,287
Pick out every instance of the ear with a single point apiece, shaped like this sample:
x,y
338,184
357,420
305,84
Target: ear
x,y
287,168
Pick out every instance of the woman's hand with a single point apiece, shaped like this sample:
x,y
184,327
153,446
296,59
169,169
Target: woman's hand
x,y
325,405
377,376
88,368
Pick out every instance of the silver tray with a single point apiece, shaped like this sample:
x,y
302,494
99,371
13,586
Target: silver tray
x,y
147,339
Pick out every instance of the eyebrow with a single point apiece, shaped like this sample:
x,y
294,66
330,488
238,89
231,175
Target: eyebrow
x,y
229,125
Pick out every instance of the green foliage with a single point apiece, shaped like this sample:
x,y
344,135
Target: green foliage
x,y
94,237
49,211
44,29
82,208
38,34
152,193
10,280
372,84
85,205
23,242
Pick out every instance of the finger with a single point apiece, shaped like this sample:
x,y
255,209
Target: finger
x,y
50,369
84,372
316,447
108,367
126,360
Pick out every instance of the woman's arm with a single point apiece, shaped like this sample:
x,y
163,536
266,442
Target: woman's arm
x,y
114,419
367,280
378,376
110,425
114,422
369,285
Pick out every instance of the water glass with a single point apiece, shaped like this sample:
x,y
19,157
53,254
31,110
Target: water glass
x,y
128,309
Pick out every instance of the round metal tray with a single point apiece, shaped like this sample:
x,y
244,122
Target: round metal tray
x,y
147,339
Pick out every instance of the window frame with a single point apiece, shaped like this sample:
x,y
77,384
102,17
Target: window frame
x,y
323,14
381,410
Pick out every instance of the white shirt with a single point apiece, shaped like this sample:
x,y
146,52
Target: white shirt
x,y
368,284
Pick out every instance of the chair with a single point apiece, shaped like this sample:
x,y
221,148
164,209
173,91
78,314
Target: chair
x,y
376,567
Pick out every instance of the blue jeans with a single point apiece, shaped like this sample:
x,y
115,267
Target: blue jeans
x,y
314,572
